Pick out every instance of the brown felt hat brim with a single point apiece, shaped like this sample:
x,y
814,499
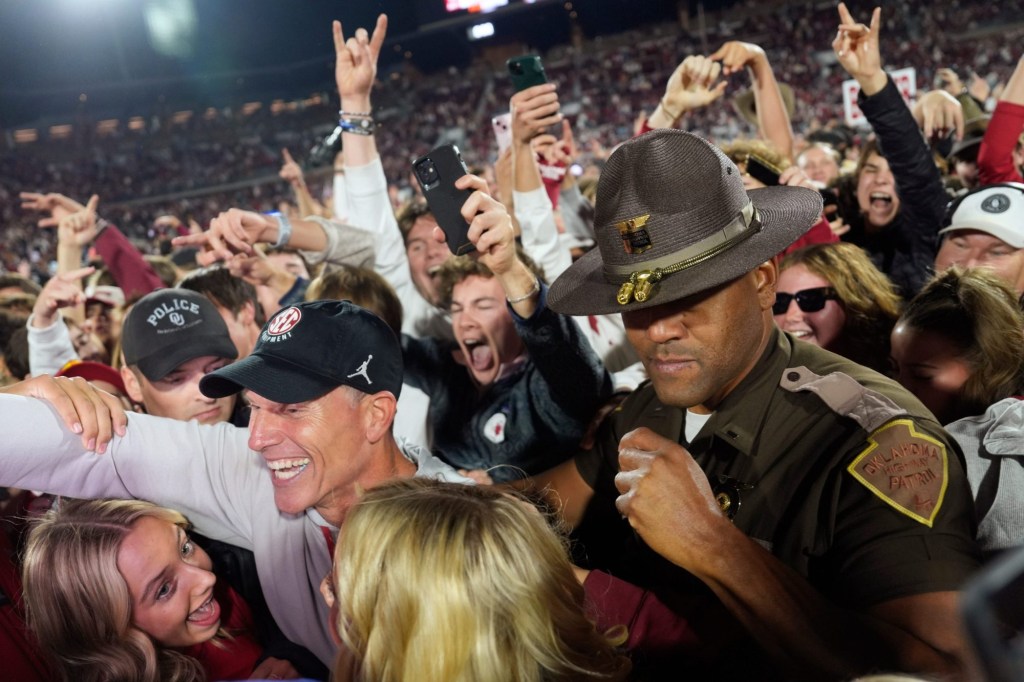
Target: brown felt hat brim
x,y
786,214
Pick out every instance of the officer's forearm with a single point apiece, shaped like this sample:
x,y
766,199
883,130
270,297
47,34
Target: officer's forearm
x,y
807,636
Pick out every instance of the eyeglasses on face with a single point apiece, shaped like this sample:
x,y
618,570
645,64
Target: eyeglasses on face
x,y
808,300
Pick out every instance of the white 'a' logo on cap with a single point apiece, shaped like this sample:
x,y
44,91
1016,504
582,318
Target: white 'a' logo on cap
x,y
284,322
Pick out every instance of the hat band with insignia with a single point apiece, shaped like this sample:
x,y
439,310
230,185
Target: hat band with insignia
x,y
639,285
671,203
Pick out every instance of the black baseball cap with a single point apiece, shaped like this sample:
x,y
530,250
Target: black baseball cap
x,y
309,349
169,327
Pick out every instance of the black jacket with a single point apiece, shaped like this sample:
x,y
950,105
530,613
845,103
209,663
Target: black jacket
x,y
905,249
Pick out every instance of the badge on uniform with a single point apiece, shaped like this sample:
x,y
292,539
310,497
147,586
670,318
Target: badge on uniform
x,y
727,494
904,468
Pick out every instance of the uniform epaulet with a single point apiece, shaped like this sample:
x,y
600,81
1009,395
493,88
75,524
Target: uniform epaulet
x,y
903,467
845,396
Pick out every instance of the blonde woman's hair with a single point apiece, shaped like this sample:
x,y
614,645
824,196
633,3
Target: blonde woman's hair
x,y
78,604
977,311
868,297
443,582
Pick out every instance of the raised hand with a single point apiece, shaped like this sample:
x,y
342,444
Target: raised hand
x,y
533,110
938,113
290,170
256,269
232,232
490,226
61,291
355,66
736,55
694,84
79,228
857,48
57,205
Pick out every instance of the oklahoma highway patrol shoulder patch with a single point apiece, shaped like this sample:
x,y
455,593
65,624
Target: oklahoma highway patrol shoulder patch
x,y
906,469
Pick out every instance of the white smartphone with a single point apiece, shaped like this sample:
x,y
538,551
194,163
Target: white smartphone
x,y
502,125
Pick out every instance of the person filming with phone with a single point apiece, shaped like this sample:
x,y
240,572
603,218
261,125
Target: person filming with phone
x,y
523,382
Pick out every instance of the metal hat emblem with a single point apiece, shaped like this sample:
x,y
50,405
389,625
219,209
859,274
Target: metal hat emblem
x,y
635,238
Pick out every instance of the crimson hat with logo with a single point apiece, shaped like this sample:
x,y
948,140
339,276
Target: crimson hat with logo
x,y
309,349
169,327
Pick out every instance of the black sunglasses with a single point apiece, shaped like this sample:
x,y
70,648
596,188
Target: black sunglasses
x,y
809,300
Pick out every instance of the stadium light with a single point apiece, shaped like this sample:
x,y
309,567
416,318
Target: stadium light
x,y
171,25
478,31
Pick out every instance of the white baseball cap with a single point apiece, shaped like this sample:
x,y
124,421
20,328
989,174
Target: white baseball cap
x,y
106,294
996,210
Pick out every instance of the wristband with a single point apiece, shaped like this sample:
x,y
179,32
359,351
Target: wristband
x,y
354,114
529,294
284,231
358,126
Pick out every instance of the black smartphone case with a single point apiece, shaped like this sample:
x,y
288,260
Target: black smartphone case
x,y
759,169
444,199
530,72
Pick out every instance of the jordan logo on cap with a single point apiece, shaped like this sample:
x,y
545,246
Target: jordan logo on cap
x,y
362,370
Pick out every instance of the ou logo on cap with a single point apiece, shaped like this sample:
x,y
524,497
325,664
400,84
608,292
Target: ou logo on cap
x,y
284,322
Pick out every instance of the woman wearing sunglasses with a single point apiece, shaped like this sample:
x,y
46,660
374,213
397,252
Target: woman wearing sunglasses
x,y
116,590
833,296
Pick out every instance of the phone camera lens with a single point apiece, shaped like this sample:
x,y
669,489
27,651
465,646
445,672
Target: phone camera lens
x,y
516,68
427,172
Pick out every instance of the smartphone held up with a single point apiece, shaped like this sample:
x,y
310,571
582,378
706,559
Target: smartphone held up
x,y
502,125
763,170
526,71
436,173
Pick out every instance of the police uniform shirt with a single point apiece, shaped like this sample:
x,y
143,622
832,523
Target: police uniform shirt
x,y
838,471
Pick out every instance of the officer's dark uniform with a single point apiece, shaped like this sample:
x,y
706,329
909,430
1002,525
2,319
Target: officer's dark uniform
x,y
836,470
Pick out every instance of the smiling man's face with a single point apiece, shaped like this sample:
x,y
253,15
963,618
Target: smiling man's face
x,y
314,451
425,255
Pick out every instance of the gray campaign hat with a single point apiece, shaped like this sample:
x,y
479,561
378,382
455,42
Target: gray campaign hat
x,y
673,219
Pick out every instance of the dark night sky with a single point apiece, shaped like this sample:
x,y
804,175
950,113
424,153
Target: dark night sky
x,y
53,50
